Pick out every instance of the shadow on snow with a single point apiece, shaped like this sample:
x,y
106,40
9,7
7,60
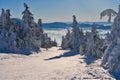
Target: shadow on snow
x,y
66,54
26,52
115,75
89,59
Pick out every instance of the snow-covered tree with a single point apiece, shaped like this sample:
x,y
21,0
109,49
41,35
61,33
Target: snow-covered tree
x,y
40,26
66,41
3,17
107,41
82,41
22,36
111,58
109,12
46,43
75,39
93,43
28,28
54,43
8,20
27,15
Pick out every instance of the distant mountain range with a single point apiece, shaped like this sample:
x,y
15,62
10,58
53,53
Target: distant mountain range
x,y
55,25
100,25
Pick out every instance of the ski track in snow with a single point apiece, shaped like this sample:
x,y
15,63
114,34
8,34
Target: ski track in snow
x,y
51,65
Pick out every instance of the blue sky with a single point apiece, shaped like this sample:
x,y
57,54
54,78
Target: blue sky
x,y
61,10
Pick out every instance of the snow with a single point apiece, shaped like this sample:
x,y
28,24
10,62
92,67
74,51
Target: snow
x,y
54,64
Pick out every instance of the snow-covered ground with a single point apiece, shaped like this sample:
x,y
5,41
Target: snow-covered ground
x,y
54,64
